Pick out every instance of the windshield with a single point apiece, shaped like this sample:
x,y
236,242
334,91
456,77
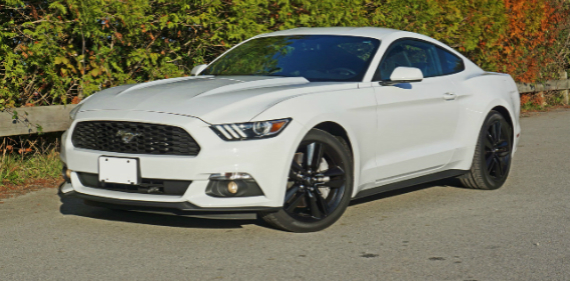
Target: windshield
x,y
314,57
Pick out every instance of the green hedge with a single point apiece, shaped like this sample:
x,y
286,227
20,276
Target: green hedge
x,y
57,52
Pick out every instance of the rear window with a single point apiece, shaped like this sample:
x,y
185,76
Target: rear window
x,y
450,63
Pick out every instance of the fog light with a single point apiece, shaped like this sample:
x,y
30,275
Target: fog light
x,y
66,174
232,187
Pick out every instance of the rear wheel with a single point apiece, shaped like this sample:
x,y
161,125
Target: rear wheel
x,y
493,154
319,185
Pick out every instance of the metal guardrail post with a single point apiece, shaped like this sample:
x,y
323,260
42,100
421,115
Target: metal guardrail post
x,y
564,75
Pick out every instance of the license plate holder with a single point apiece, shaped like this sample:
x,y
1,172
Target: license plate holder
x,y
118,170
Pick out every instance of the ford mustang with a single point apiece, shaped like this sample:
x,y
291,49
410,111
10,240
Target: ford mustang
x,y
291,126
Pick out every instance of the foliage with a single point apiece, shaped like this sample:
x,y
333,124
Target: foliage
x,y
59,51
472,27
562,44
25,159
541,101
531,24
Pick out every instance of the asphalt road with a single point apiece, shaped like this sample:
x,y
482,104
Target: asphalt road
x,y
428,232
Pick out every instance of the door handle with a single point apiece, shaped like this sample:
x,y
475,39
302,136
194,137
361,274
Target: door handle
x,y
449,96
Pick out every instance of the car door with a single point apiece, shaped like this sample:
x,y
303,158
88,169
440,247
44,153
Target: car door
x,y
416,121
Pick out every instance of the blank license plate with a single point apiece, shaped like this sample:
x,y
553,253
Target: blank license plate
x,y
118,170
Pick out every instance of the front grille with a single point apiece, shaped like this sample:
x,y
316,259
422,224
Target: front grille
x,y
147,186
133,137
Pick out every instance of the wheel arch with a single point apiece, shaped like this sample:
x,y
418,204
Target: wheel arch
x,y
507,115
336,130
475,118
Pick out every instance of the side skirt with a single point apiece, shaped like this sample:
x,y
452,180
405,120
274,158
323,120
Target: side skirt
x,y
410,182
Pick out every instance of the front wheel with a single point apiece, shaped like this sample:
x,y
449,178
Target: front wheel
x,y
319,185
493,154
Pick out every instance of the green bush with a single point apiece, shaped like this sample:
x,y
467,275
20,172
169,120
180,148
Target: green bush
x,y
57,52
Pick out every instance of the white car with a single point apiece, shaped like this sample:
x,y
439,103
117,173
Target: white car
x,y
292,125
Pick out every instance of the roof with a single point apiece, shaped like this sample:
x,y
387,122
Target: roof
x,y
373,32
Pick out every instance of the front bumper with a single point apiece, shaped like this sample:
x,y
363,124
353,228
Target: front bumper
x,y
266,160
177,208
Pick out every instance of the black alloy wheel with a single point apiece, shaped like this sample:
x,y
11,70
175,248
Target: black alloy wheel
x,y
493,154
319,185
314,192
497,150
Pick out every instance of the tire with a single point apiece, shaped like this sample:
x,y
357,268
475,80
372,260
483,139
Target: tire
x,y
493,155
319,185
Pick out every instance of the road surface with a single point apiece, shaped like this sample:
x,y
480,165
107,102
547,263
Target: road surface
x,y
428,232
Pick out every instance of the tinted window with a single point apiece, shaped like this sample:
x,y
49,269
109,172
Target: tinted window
x,y
450,63
314,57
410,53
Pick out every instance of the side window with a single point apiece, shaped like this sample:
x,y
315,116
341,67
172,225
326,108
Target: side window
x,y
395,56
450,63
410,53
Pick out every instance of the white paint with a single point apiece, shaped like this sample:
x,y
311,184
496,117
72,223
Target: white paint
x,y
397,132
402,73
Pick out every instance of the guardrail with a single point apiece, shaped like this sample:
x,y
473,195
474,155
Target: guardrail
x,y
554,85
30,120
55,118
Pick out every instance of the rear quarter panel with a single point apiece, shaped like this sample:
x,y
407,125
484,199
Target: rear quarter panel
x,y
481,92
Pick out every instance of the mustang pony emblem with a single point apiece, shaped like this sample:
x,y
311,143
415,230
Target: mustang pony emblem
x,y
127,136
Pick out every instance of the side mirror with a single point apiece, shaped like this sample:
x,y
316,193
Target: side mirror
x,y
404,75
197,69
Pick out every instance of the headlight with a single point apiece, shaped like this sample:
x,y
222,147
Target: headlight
x,y
250,130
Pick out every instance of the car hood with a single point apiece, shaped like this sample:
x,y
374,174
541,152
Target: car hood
x,y
221,99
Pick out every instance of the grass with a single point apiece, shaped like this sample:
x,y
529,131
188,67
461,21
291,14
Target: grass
x,y
17,169
29,163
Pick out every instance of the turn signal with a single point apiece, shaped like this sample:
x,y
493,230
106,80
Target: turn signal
x,y
276,127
